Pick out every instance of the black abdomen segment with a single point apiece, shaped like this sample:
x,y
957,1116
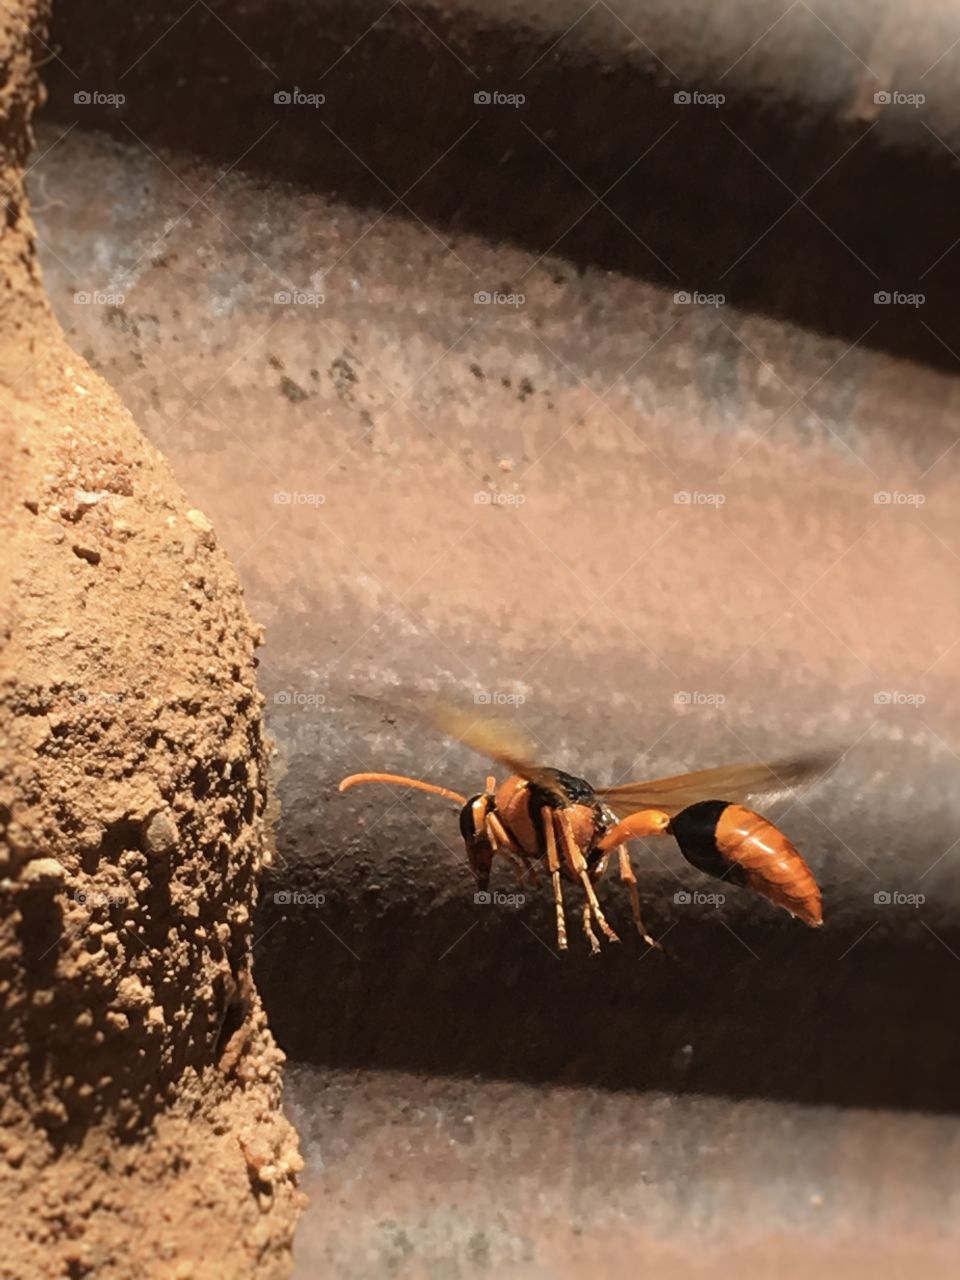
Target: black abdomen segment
x,y
694,830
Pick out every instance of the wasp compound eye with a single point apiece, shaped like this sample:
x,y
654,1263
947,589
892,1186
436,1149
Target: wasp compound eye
x,y
476,838
467,825
695,831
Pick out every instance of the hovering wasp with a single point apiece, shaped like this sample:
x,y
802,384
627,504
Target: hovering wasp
x,y
542,815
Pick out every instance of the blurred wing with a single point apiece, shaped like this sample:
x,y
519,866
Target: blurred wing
x,y
491,736
736,783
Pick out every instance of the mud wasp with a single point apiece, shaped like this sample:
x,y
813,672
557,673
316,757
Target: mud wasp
x,y
540,815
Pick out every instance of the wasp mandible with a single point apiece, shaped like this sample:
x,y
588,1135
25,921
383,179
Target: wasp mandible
x,y
542,817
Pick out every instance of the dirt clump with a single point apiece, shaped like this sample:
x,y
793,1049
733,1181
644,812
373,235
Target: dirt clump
x,y
140,1124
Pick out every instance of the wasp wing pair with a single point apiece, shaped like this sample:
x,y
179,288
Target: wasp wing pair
x,y
543,815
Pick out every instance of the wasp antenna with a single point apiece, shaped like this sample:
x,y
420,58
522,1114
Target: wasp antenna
x,y
398,780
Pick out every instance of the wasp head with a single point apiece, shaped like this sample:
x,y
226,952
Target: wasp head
x,y
476,841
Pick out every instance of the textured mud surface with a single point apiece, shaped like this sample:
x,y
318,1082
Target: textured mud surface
x,y
137,1068
140,1131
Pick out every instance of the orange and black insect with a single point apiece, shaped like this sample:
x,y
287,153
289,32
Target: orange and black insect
x,y
543,817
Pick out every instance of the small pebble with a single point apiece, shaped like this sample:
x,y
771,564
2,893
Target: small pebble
x,y
204,529
160,835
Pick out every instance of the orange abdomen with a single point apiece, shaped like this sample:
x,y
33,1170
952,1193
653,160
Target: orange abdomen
x,y
770,864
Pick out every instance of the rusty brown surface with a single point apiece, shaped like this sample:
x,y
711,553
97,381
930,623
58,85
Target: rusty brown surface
x,y
340,450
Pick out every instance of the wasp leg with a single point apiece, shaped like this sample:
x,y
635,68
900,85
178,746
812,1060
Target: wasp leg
x,y
588,930
599,867
504,843
628,877
553,862
637,826
578,865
